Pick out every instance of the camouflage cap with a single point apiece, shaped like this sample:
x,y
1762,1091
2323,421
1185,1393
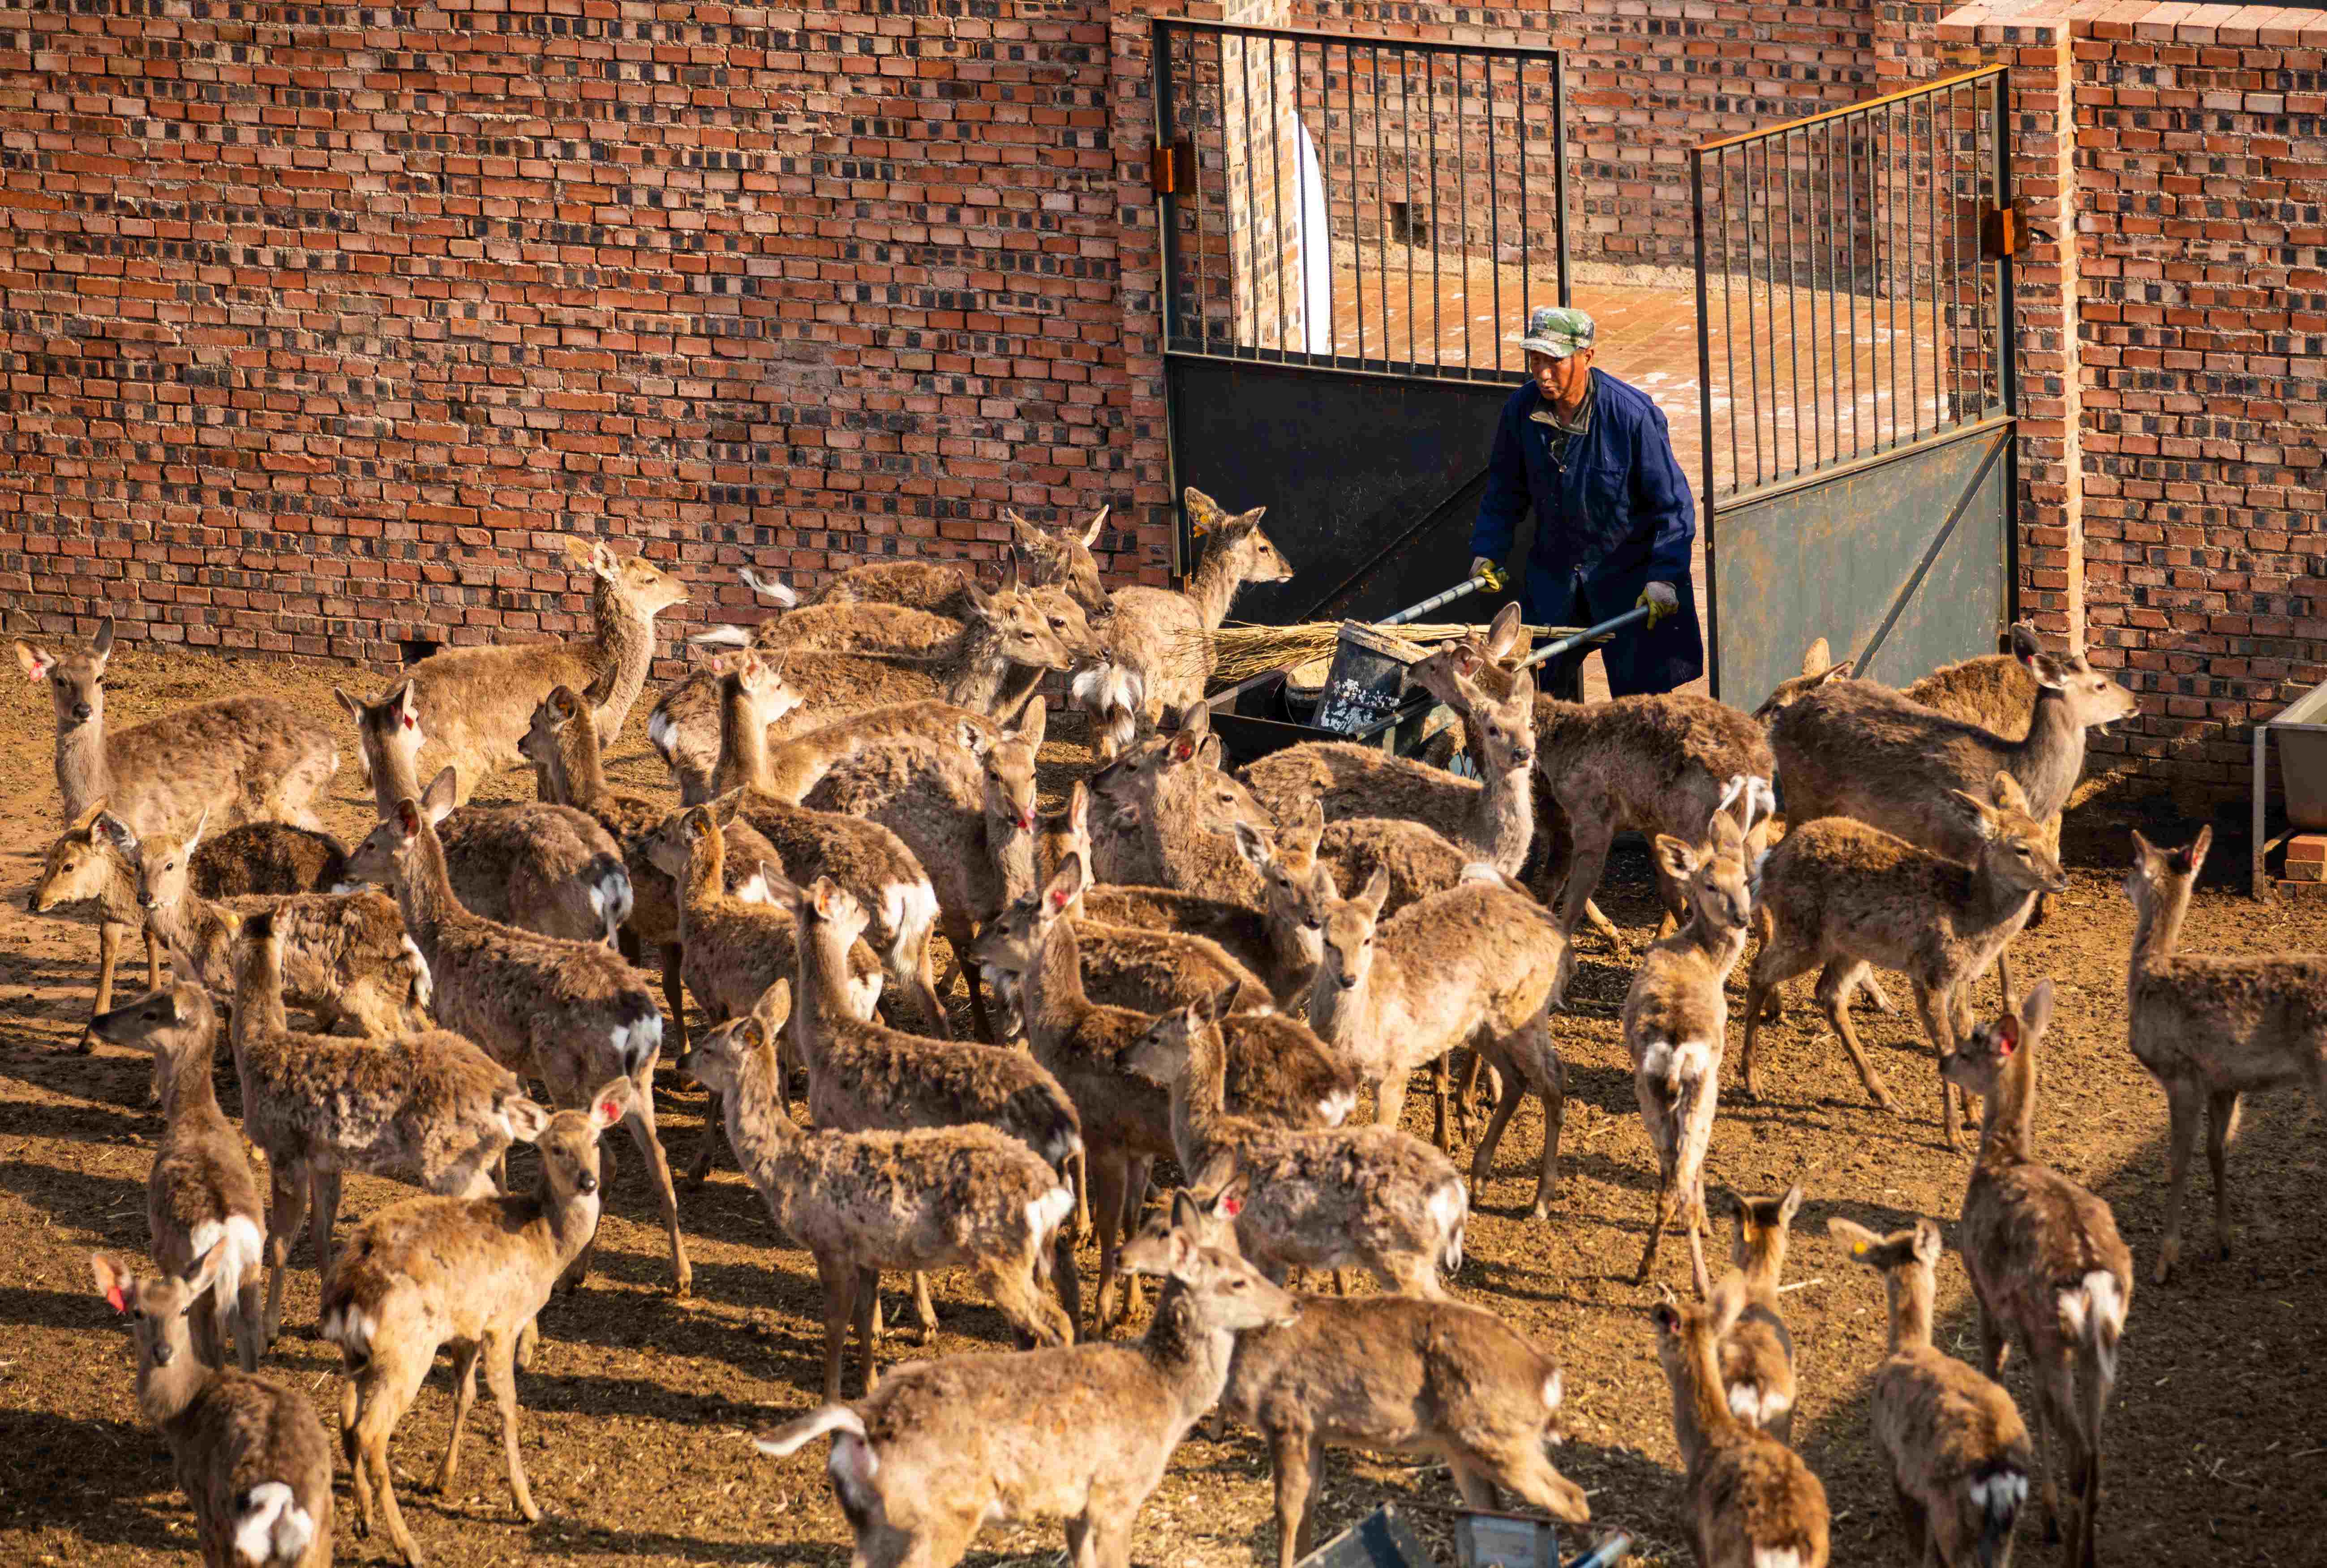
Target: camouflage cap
x,y
1557,331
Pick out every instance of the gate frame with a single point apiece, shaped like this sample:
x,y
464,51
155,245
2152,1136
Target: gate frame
x,y
2008,356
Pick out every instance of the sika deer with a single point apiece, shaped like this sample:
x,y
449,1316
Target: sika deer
x,y
1959,1454
268,857
1841,894
476,701
1675,1024
1757,1349
1390,1374
2211,1029
964,806
1182,809
795,767
429,1108
572,1012
865,1078
1753,1502
1162,639
1278,1073
864,857
201,1202
944,1447
1062,557
244,760
969,1197
2046,1265
470,1273
249,1454
546,868
345,955
1494,820
1478,966
1323,1197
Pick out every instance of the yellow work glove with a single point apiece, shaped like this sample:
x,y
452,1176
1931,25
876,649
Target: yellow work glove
x,y
1496,578
1661,599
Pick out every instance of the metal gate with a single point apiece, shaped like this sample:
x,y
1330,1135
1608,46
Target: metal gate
x,y
1350,227
1855,362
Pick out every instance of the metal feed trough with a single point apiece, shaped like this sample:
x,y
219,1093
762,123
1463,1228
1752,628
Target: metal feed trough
x,y
2301,730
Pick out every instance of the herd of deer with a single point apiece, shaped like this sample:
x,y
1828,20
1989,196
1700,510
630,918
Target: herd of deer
x,y
1205,966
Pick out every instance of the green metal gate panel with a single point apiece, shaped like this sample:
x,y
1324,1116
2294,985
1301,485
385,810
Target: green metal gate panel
x,y
1900,560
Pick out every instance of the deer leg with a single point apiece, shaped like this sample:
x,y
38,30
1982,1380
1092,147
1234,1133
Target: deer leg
x,y
1660,1214
642,1125
2183,1107
2062,1443
1107,1176
2003,977
1136,1171
390,1384
205,1329
674,995
1773,966
152,962
324,1185
925,1311
1836,981
2221,1127
500,1372
464,1394
1696,1229
1477,1490
1482,1161
358,1478
1438,1105
249,1319
1584,880
866,1303
286,1206
714,1118
1389,1098
1292,1455
1542,1058
839,1277
1936,1004
108,954
1068,1281
1026,1305
1871,988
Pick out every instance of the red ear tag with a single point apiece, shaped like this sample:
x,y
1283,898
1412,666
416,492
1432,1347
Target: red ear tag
x,y
1058,900
1232,1206
113,1294
610,1110
2007,1038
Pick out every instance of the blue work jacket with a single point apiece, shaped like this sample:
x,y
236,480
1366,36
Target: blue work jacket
x,y
1616,516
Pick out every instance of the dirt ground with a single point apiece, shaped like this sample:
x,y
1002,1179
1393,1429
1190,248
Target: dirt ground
x,y
637,1409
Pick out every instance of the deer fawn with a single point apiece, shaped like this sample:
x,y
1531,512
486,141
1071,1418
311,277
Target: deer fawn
x,y
1843,895
1753,1503
1177,806
945,1448
1323,1197
1959,1454
470,1273
1391,1373
249,1454
201,1202
1757,1351
2211,1029
1161,640
1677,1017
968,1197
2046,1266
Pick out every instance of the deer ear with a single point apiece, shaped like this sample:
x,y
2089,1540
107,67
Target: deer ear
x,y
1791,1206
603,563
1221,1002
101,645
407,702
116,832
1090,532
443,791
1979,814
2008,794
1929,1241
610,1104
1186,1212
2007,1035
407,817
2022,638
1078,808
1065,884
1817,657
1376,893
2036,1007
1252,845
528,1119
1203,512
354,708
1839,672
1665,1316
1857,1238
194,839
36,662
2193,855
1677,859
1034,723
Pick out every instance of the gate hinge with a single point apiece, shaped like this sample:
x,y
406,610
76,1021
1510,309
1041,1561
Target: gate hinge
x,y
1171,170
1999,233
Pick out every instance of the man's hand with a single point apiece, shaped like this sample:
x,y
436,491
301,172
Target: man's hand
x,y
1480,567
1661,599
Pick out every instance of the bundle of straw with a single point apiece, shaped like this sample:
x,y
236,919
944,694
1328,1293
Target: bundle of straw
x,y
1239,652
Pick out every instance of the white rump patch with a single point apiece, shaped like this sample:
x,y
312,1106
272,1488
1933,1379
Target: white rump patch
x,y
636,1043
1046,1213
1448,1205
1776,1557
908,909
1745,1402
1480,871
349,1327
424,983
753,890
2004,1492
274,1527
1339,1106
721,636
2109,1319
663,737
1655,1062
1554,1387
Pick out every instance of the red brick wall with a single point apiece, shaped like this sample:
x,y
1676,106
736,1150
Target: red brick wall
x,y
2203,411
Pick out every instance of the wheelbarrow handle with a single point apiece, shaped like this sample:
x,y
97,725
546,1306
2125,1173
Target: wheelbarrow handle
x,y
1489,581
1609,1551
1638,612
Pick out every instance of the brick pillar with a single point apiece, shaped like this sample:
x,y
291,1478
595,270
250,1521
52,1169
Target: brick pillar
x,y
2051,585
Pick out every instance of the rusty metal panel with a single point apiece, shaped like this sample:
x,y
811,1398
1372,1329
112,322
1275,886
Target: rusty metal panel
x,y
1902,561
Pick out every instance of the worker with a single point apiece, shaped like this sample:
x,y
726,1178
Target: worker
x,y
1614,520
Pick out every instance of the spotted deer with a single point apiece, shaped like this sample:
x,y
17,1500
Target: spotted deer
x,y
473,703
942,1449
1179,808
1959,1454
2047,1267
1757,1348
2211,1029
932,1197
470,1273
1391,1373
249,1454
1837,895
1753,1503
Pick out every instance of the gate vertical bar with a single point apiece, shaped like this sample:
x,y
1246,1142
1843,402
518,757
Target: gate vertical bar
x,y
1167,204
1405,155
1705,420
1381,202
2007,344
1494,209
1277,196
1559,164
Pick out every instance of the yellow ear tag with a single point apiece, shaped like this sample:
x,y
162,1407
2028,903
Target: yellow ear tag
x,y
1858,1249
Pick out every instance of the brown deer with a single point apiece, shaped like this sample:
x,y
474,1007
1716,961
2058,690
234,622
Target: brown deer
x,y
2046,1266
969,1197
475,703
1959,1453
1841,894
470,1273
943,1448
1061,557
249,1454
1322,1197
1676,1024
243,759
346,958
1390,1374
1757,1348
2211,1029
542,867
428,1108
1753,1503
796,765
572,1012
1479,966
1179,810
201,1202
